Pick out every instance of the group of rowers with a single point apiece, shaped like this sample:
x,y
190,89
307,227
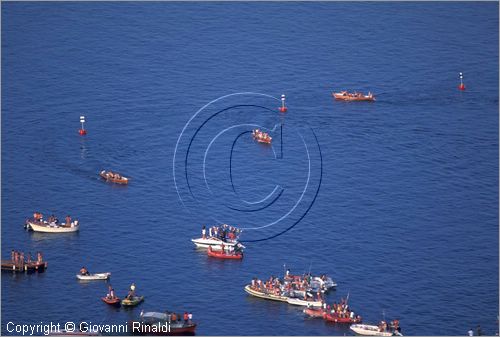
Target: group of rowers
x,y
224,232
261,136
341,310
111,175
355,94
38,218
18,258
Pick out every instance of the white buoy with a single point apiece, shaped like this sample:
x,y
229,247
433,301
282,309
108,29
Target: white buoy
x,y
82,131
283,107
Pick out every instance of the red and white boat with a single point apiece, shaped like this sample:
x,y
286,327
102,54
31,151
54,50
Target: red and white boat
x,y
224,255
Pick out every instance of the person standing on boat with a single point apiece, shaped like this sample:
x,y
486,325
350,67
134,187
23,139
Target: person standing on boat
x,y
190,317
132,290
210,231
470,332
479,332
68,220
186,317
29,257
203,232
84,271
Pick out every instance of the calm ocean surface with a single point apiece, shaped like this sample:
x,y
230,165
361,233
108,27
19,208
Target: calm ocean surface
x,y
406,218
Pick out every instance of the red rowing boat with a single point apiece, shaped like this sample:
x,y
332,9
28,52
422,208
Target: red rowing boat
x,y
224,255
337,319
111,301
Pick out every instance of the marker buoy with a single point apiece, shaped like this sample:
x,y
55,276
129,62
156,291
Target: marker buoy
x,y
82,131
461,86
283,107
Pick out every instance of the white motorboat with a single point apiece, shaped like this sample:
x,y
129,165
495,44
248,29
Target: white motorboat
x,y
304,303
93,277
216,243
52,227
371,330
322,284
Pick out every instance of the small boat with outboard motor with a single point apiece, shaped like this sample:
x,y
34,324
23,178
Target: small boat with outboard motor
x,y
356,96
162,324
52,225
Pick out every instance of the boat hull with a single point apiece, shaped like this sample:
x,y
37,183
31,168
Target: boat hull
x,y
115,301
298,301
341,97
337,319
94,277
259,294
53,229
316,313
133,302
368,330
214,243
221,255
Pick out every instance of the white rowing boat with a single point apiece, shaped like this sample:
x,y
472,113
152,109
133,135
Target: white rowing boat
x,y
304,303
371,330
259,294
46,227
93,277
216,243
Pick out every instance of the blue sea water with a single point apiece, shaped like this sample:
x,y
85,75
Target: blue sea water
x,y
406,217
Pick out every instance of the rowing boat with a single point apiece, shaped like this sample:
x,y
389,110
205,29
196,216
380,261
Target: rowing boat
x,y
93,277
224,255
108,177
111,301
345,96
132,302
46,227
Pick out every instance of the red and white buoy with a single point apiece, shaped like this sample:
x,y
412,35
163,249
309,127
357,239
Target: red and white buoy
x,y
461,86
283,107
82,131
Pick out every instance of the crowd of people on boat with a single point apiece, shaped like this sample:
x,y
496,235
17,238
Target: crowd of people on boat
x,y
223,232
261,136
298,286
19,259
52,219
